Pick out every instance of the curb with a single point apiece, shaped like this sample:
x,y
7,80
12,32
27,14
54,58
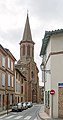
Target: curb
x,y
5,112
39,117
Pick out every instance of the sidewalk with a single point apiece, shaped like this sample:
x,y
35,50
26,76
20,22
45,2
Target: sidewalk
x,y
43,116
4,112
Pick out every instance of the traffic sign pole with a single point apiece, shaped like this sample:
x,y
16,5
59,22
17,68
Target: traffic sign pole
x,y
51,106
52,92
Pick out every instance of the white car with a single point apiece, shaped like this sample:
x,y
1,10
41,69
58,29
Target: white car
x,y
17,107
25,106
29,104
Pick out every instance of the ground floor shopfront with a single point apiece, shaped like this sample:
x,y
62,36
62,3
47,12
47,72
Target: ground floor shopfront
x,y
6,100
54,103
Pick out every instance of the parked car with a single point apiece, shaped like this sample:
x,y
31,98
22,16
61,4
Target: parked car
x,y
29,104
25,106
17,107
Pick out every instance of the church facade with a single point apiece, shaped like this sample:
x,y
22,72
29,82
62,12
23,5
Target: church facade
x,y
27,65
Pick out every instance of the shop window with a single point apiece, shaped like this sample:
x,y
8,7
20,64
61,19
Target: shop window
x,y
22,89
10,99
21,99
46,97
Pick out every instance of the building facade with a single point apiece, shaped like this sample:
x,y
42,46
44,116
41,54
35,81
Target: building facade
x,y
20,87
52,62
41,94
27,65
7,81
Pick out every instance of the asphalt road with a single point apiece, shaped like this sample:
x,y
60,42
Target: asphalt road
x,y
28,114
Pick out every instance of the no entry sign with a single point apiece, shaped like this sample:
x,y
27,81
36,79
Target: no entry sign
x,y
52,92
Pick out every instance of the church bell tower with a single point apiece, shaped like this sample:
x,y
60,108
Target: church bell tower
x,y
26,44
27,65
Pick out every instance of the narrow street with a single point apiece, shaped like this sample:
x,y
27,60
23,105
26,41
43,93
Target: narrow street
x,y
28,114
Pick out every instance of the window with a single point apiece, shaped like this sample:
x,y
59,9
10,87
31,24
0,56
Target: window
x,y
0,100
28,50
48,98
47,95
10,99
17,87
8,80
16,75
3,61
22,81
3,79
23,50
21,99
32,51
9,62
12,81
21,89
32,75
12,65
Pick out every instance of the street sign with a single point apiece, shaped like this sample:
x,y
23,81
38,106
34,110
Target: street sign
x,y
60,84
52,92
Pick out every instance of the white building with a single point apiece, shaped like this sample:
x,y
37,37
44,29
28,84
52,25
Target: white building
x,y
52,61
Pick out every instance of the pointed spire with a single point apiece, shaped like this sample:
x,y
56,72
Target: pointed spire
x,y
27,31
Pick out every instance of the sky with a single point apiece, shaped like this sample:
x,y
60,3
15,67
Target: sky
x,y
44,15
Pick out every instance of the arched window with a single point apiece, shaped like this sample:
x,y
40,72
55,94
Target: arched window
x,y
32,75
32,51
28,50
23,50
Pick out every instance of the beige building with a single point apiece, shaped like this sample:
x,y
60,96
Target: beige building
x,y
7,81
52,62
27,65
20,87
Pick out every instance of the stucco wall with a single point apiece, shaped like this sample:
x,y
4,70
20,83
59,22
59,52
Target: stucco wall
x,y
55,64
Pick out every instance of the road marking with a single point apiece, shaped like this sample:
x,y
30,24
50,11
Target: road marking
x,y
3,116
28,117
9,117
18,117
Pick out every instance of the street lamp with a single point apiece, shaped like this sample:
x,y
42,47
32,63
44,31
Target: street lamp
x,y
42,66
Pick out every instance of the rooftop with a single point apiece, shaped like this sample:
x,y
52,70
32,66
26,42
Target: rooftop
x,y
46,39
